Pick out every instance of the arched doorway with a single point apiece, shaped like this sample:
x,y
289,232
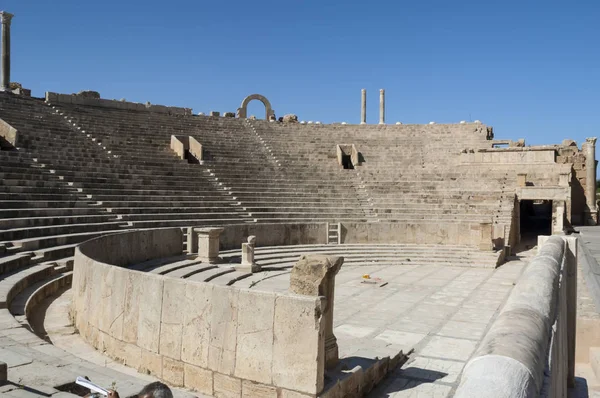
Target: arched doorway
x,y
242,111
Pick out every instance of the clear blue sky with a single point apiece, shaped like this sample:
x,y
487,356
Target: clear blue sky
x,y
529,68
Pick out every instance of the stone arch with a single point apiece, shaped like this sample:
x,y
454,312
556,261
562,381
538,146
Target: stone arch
x,y
242,111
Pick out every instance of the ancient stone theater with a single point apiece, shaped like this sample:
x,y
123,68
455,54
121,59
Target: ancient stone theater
x,y
231,256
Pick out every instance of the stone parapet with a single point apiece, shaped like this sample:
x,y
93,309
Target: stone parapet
x,y
75,99
218,340
534,331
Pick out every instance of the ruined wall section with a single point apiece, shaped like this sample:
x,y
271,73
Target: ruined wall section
x,y
568,153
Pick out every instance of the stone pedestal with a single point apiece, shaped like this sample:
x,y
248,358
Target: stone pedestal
x,y
208,244
5,19
248,264
382,106
314,275
521,179
363,106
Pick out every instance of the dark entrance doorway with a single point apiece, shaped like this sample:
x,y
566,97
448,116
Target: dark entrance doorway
x,y
535,218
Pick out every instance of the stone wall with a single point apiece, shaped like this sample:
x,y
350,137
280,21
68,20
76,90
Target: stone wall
x,y
274,234
418,233
529,350
570,154
74,99
218,340
510,155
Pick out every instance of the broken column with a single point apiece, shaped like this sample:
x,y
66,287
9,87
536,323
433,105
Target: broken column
x,y
248,264
5,19
208,244
590,185
382,106
314,275
363,106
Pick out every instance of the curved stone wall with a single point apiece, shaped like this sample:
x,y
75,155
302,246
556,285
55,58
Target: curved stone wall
x,y
215,339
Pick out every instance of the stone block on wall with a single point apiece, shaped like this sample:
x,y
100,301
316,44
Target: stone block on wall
x,y
254,353
223,329
299,343
196,323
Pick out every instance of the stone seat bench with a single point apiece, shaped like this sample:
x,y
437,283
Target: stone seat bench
x,y
40,231
12,283
206,222
44,242
147,209
42,204
33,222
50,212
194,216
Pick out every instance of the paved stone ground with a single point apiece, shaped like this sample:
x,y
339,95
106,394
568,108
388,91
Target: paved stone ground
x,y
440,312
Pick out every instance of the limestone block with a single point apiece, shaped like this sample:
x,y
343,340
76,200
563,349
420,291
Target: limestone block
x,y
196,323
131,307
198,379
223,329
293,394
254,353
126,353
172,372
151,363
192,241
151,294
299,343
226,386
173,307
252,390
112,301
312,272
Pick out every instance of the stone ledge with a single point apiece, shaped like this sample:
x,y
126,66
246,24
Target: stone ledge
x,y
74,99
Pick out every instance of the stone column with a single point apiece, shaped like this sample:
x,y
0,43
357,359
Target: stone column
x,y
363,106
382,106
521,179
5,19
590,180
314,275
208,244
248,264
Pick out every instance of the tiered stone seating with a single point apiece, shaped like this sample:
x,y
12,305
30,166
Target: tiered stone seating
x,y
61,188
410,172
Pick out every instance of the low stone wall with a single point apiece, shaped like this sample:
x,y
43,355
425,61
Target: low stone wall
x,y
274,234
529,350
418,233
219,340
74,99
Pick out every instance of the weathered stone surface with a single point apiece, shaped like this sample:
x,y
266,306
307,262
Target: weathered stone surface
x,y
172,372
299,344
310,274
290,118
254,353
151,292
151,363
227,386
198,379
196,324
223,329
251,390
173,307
